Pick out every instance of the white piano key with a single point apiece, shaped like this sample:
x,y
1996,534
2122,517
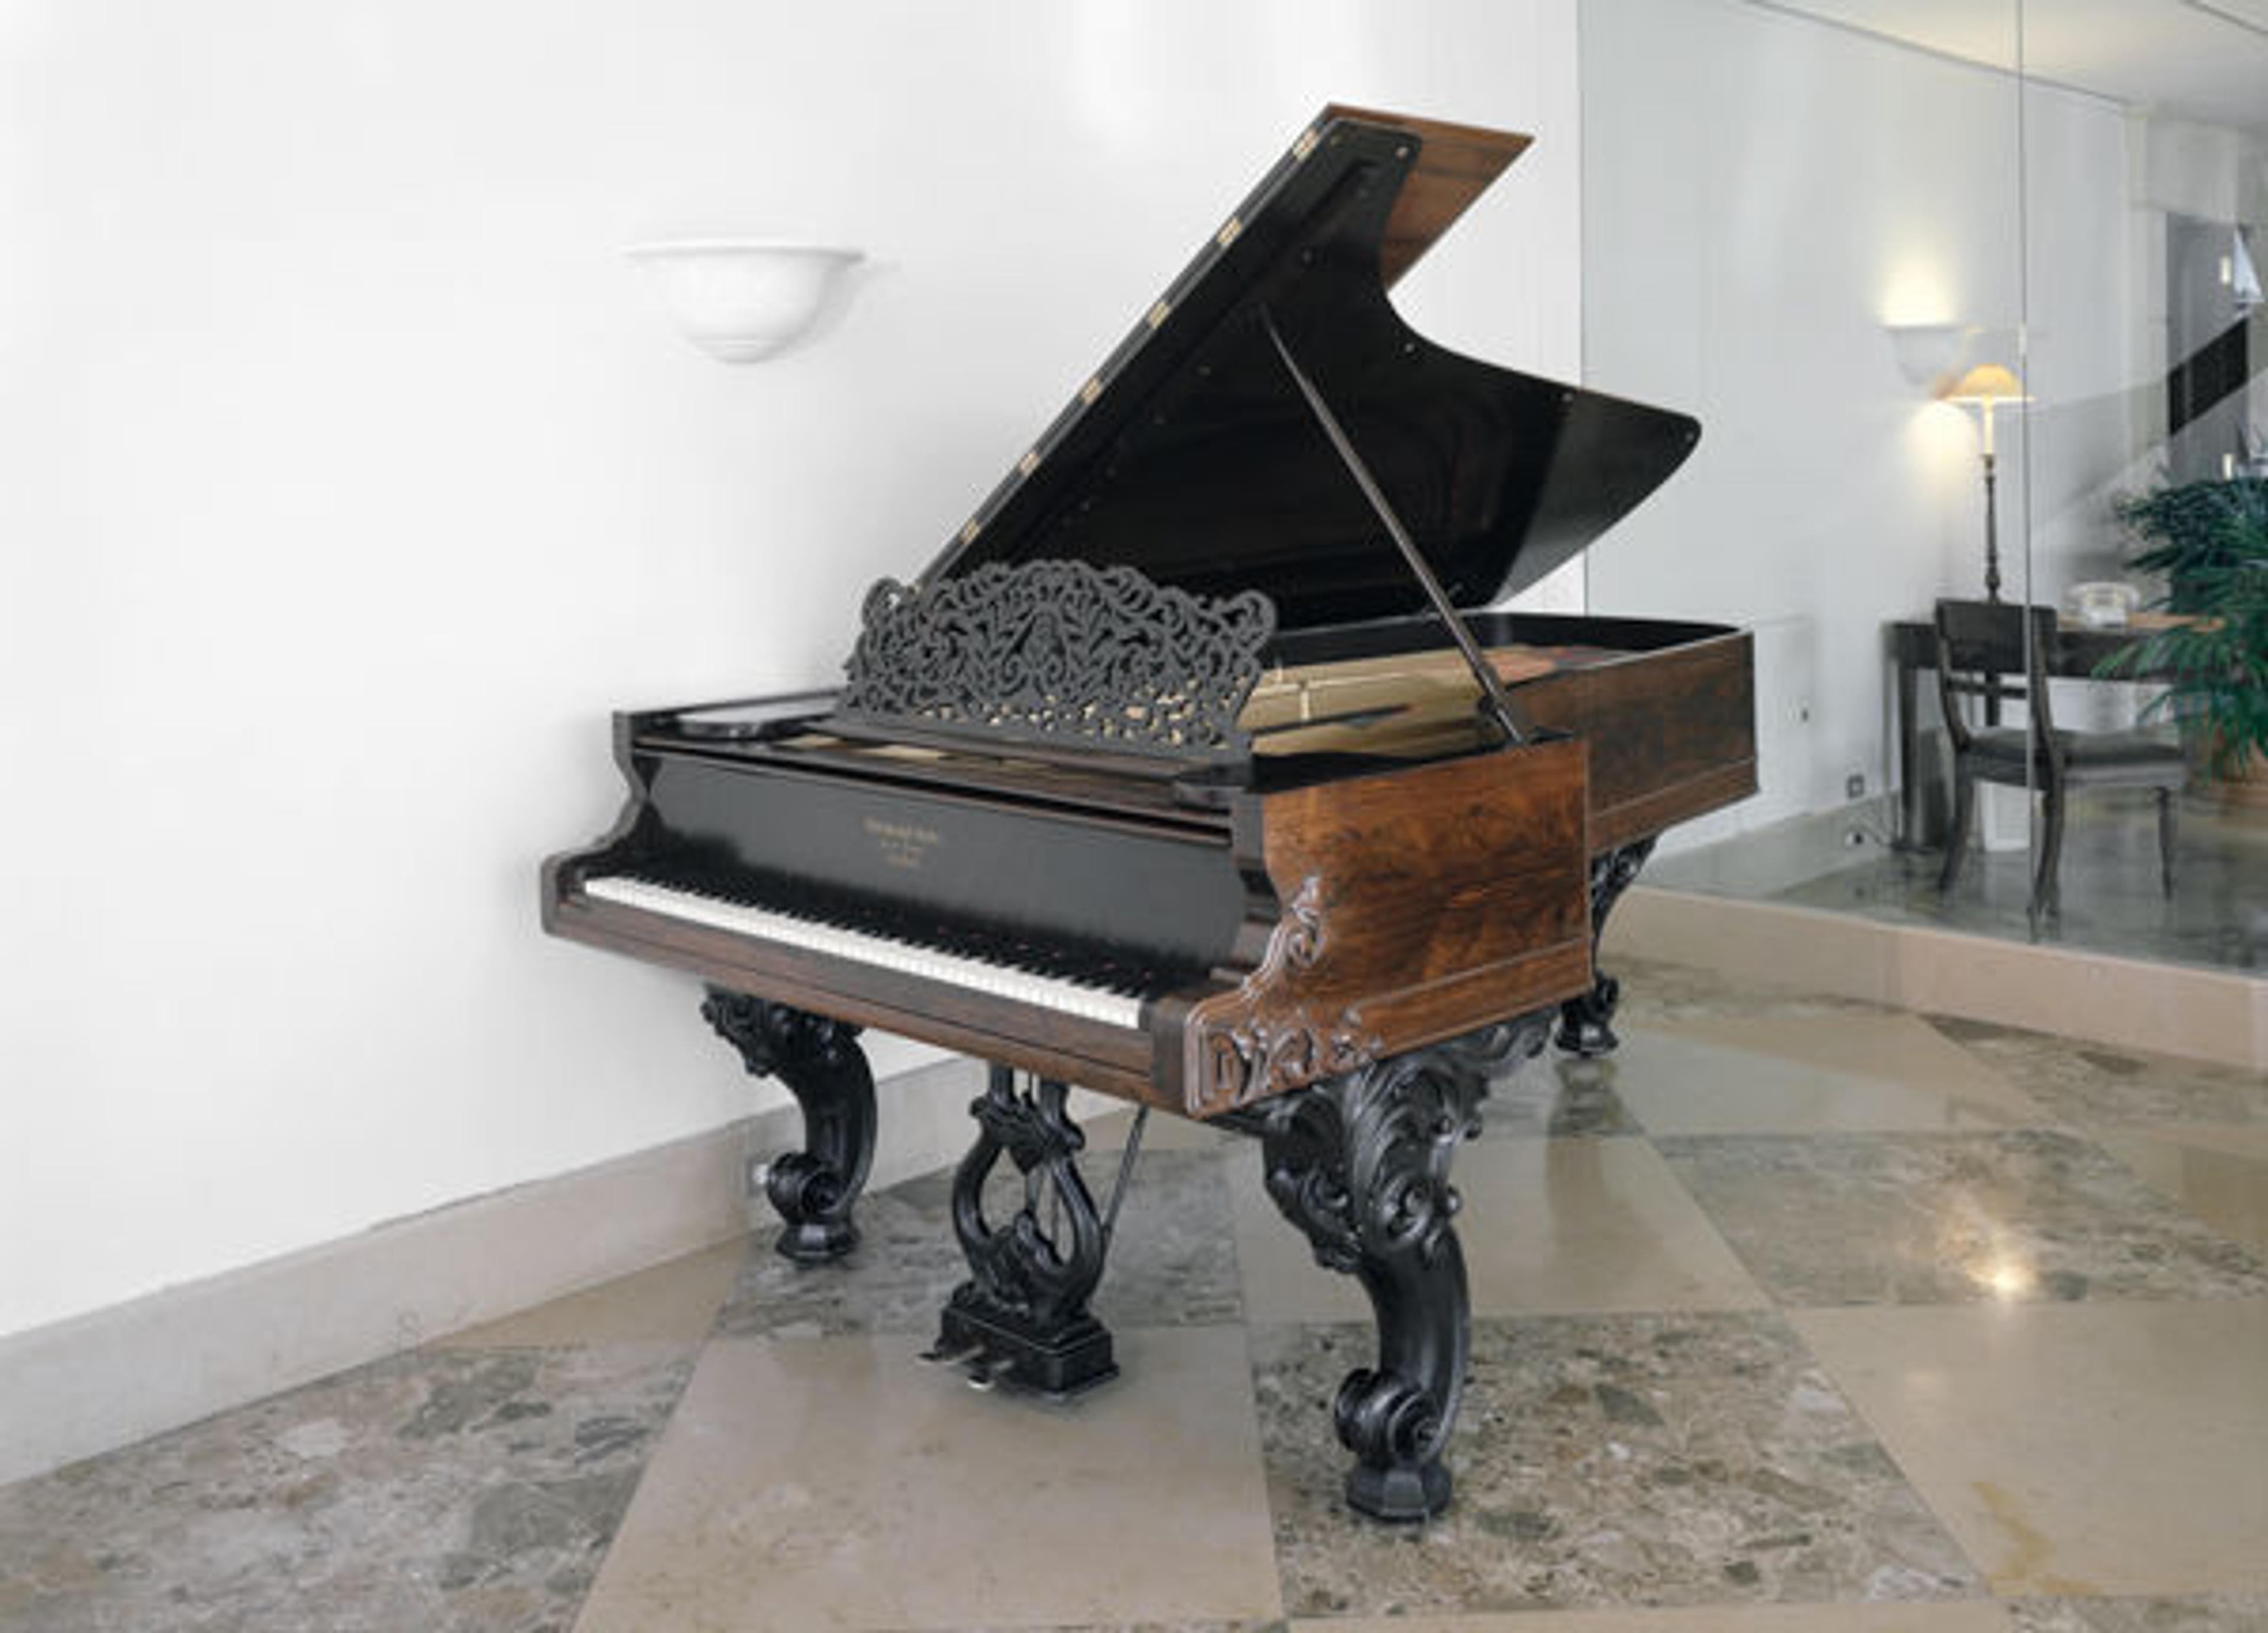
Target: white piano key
x,y
1051,992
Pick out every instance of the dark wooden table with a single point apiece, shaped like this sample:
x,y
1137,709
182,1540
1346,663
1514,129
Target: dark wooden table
x,y
1912,644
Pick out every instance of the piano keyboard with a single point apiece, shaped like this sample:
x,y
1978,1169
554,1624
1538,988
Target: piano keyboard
x,y
1113,1002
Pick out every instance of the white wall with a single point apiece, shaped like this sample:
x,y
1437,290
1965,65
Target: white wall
x,y
1762,194
348,478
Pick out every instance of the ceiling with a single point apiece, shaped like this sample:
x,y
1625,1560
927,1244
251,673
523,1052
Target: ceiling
x,y
2205,60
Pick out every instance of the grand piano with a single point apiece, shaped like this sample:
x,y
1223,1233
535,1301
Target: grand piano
x,y
1195,771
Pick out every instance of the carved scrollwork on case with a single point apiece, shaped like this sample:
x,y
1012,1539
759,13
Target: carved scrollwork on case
x,y
1265,1055
1259,1040
1062,652
769,1034
1359,1164
1586,1020
819,1060
1613,873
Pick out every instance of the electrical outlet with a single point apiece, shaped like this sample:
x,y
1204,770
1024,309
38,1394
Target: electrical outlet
x,y
1854,786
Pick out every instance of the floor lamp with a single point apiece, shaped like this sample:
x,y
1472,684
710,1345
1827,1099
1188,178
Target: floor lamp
x,y
1983,387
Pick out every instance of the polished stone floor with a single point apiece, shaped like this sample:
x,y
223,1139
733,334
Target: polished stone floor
x,y
2217,916
1798,1315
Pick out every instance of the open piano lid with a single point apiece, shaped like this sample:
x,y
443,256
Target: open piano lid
x,y
1191,456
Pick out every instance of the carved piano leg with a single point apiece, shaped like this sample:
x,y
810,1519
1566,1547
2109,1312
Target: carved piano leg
x,y
821,1063
1360,1163
1584,1022
1022,1318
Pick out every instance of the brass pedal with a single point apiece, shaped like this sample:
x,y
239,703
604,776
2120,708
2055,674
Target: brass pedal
x,y
942,1354
986,1374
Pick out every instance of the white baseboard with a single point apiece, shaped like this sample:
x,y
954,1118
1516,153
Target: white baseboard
x,y
2216,1015
114,1376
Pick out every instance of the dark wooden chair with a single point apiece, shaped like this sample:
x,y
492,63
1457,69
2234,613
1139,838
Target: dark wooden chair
x,y
1994,651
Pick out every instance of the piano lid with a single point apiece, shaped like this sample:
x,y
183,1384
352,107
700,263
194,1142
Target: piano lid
x,y
1191,456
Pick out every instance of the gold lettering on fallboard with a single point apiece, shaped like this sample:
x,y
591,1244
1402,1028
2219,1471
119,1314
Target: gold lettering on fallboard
x,y
901,844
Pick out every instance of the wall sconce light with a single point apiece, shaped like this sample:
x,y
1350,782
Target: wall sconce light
x,y
742,300
1929,354
1981,388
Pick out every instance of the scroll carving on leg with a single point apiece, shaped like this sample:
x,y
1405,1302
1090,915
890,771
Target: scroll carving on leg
x,y
821,1063
1586,1021
1360,1164
1021,1318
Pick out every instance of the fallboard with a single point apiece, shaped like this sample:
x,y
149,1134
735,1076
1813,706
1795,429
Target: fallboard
x,y
1173,896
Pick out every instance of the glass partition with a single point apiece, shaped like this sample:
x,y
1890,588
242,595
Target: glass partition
x,y
1953,296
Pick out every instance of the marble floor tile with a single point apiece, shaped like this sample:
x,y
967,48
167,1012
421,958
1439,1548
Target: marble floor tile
x,y
894,1280
2217,1174
2075,1449
1738,1074
1562,1096
2202,1612
2092,1085
1657,993
459,1489
1162,1132
1173,1258
1606,1462
1932,1616
676,1302
2022,1390
1547,1226
1937,1218
811,1484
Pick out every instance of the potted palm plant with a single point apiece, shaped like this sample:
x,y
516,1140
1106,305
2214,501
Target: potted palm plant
x,y
2210,541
